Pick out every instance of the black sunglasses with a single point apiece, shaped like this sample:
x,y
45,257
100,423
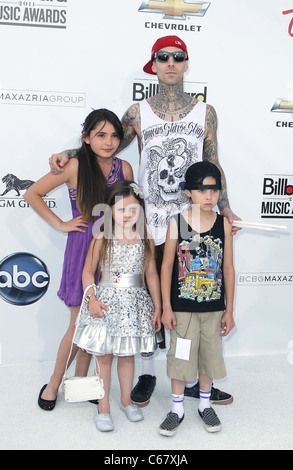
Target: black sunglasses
x,y
163,56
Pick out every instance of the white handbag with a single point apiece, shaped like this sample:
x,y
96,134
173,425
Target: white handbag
x,y
83,388
78,389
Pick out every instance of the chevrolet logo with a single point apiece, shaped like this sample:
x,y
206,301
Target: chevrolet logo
x,y
175,9
282,106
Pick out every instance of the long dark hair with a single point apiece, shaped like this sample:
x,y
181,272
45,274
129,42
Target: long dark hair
x,y
91,182
120,190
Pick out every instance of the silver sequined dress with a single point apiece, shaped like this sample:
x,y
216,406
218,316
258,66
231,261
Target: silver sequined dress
x,y
126,328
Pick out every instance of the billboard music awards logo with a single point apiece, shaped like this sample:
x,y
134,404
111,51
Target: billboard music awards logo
x,y
41,14
145,88
174,10
277,197
12,189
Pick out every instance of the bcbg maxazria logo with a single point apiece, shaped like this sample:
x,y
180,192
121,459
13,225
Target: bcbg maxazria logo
x,y
42,98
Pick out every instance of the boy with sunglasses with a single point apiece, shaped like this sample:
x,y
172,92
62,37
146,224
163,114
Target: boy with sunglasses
x,y
197,285
174,130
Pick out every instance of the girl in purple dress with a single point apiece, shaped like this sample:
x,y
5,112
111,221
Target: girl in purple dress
x,y
87,177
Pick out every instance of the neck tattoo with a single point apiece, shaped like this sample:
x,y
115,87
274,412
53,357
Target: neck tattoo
x,y
171,103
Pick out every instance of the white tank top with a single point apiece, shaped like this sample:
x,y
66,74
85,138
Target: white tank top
x,y
167,150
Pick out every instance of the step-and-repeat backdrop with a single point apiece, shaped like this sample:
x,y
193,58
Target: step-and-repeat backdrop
x,y
61,58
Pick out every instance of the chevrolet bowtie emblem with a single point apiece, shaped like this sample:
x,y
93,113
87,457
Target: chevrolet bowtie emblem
x,y
175,9
282,106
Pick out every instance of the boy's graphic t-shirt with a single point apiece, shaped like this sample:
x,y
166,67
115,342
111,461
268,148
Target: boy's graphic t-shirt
x,y
197,278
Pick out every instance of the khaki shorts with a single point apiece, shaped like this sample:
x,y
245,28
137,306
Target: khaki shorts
x,y
204,331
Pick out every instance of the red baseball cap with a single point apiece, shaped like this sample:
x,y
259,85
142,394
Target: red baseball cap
x,y
166,41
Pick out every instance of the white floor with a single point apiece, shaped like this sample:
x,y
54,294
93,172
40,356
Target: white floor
x,y
261,416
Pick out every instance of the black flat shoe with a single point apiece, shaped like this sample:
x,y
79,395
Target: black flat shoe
x,y
47,405
94,402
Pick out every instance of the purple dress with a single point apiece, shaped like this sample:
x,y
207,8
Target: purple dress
x,y
71,290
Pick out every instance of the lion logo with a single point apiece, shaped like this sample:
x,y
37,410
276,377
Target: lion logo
x,y
14,183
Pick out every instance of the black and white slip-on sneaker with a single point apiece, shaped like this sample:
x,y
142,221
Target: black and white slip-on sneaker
x,y
170,425
210,420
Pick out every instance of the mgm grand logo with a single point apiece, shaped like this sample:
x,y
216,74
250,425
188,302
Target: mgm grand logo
x,y
14,188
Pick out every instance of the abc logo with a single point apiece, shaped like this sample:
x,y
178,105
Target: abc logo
x,y
24,279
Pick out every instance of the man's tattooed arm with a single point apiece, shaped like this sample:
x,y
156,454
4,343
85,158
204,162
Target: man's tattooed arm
x,y
210,153
131,126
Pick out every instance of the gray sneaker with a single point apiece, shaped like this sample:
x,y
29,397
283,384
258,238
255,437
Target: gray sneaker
x,y
133,413
104,422
170,424
210,420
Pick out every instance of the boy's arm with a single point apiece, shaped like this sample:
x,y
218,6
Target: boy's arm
x,y
229,276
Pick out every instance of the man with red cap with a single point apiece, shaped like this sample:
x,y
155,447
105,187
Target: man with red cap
x,y
174,130
188,125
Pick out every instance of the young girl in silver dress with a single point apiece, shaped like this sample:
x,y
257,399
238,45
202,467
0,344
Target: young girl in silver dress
x,y
87,176
123,312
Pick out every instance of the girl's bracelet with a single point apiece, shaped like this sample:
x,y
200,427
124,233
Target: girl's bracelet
x,y
89,296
